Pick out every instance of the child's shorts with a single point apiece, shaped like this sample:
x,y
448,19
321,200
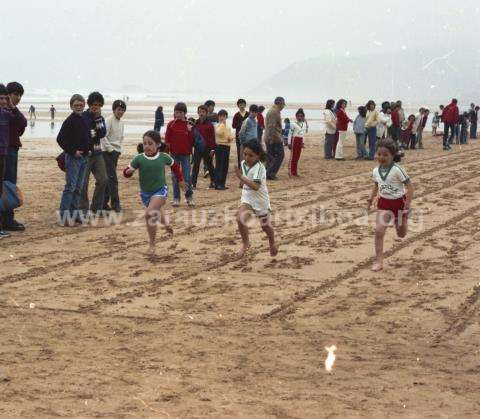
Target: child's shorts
x,y
394,205
261,214
147,196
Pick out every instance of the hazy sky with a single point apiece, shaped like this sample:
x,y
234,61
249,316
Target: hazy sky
x,y
209,45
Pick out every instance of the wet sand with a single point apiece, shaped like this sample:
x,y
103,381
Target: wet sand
x,y
197,332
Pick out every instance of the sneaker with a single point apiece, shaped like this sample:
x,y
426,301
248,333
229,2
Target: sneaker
x,y
211,186
176,203
4,234
190,202
14,226
206,174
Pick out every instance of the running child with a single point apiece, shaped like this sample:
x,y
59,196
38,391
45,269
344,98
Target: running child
x,y
298,129
153,187
255,199
395,192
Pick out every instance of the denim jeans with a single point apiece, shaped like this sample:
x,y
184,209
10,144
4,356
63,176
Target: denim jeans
x,y
275,156
328,146
184,162
10,174
74,178
222,157
361,151
111,191
448,139
96,166
473,130
372,142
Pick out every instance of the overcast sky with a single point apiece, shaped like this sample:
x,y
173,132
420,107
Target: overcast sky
x,y
209,45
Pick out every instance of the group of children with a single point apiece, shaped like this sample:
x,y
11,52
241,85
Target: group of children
x,y
92,145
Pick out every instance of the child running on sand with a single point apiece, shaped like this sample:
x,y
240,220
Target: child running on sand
x,y
255,199
153,187
395,191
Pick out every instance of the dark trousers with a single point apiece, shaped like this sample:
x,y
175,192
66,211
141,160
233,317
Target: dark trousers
x,y
372,142
222,157
448,139
207,160
275,156
328,146
239,156
2,172
111,191
10,173
96,166
473,130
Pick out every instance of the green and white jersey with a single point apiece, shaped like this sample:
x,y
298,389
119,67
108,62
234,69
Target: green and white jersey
x,y
258,200
391,181
152,170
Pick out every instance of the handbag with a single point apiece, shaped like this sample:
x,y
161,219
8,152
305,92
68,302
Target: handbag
x,y
61,161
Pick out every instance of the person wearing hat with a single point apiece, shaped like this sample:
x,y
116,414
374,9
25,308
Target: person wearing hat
x,y
273,138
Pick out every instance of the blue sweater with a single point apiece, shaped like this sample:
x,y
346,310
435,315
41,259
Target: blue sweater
x,y
249,130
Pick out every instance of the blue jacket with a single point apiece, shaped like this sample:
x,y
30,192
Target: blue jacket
x,y
359,125
249,130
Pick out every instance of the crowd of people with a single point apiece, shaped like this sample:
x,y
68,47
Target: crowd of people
x,y
92,145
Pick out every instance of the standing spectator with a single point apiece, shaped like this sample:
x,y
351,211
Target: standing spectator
x,y
464,120
418,125
16,129
95,162
273,138
450,119
384,121
223,138
212,116
330,128
249,129
435,124
112,148
396,124
237,122
260,122
179,140
53,111
359,130
342,126
159,119
74,139
32,112
401,113
371,128
421,128
295,141
473,120
286,131
207,131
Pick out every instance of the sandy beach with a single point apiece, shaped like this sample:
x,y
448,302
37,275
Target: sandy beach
x,y
94,328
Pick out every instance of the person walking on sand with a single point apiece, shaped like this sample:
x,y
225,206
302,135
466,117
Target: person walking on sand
x,y
342,126
330,128
395,193
359,130
255,199
151,163
371,128
32,112
273,138
53,111
295,141
473,116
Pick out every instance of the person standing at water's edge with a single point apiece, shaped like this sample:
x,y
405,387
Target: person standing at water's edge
x,y
159,119
95,161
112,145
342,126
273,138
17,127
330,128
53,111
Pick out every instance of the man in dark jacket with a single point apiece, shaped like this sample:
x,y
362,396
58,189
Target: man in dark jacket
x,y
473,114
17,127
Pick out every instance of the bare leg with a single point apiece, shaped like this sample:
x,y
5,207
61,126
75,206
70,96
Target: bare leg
x,y
268,229
152,213
242,219
401,225
383,218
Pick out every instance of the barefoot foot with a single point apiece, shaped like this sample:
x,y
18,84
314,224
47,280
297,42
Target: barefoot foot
x,y
244,250
273,250
377,267
151,250
169,231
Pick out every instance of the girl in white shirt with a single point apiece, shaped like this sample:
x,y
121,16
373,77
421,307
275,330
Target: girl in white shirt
x,y
255,199
330,128
298,129
384,121
395,192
